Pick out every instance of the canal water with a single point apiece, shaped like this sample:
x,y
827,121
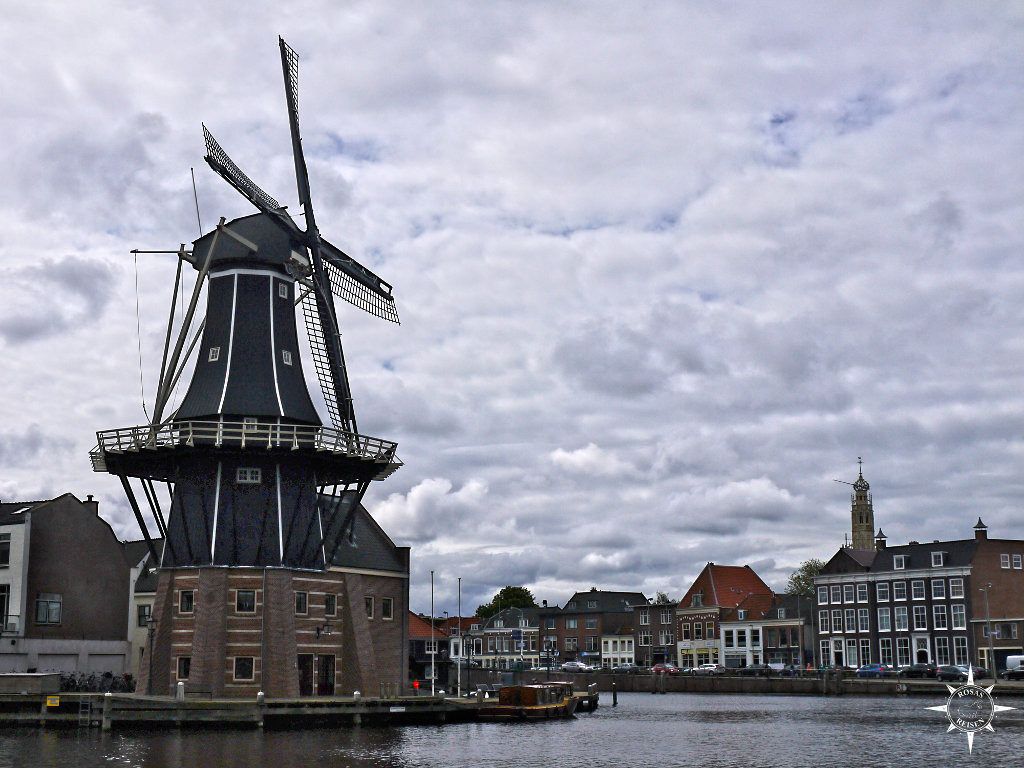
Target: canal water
x,y
709,731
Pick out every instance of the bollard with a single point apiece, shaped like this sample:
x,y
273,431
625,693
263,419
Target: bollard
x,y
179,691
260,701
615,695
105,723
357,695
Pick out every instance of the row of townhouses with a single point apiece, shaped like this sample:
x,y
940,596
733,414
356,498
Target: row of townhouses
x,y
945,602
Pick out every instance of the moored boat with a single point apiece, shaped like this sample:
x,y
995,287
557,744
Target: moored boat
x,y
540,701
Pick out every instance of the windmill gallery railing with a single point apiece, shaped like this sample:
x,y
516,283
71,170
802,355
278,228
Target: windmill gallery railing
x,y
241,434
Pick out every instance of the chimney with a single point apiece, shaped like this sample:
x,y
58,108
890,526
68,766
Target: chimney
x,y
879,541
544,603
91,504
980,530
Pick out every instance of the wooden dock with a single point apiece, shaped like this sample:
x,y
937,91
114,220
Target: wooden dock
x,y
120,710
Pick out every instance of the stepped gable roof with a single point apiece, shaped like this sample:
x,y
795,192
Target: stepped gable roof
x,y
419,628
607,602
370,547
12,512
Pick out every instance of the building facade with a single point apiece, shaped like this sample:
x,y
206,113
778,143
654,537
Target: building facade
x,y
655,633
772,630
575,632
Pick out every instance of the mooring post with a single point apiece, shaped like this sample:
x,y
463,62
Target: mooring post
x,y
107,703
261,703
615,695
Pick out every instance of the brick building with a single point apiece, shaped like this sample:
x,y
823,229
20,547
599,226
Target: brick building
x,y
575,632
698,614
767,629
922,602
654,632
428,649
64,588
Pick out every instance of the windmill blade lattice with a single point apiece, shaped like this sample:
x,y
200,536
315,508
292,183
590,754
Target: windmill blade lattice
x,y
357,285
321,361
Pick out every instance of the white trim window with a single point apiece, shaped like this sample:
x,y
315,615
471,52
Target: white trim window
x,y
837,593
937,559
942,650
822,595
851,619
903,651
286,357
938,589
899,563
863,620
956,588
917,589
282,289
960,650
885,650
862,593
214,355
645,618
899,590
837,621
959,614
847,593
900,614
920,617
939,616
823,622
884,620
245,668
1018,562
387,608
882,591
1004,560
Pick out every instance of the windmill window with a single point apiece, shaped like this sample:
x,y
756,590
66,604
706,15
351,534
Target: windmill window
x,y
249,424
387,608
48,608
286,357
330,605
244,668
214,355
248,475
282,290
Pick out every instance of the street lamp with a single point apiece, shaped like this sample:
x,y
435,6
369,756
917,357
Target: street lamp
x,y
988,631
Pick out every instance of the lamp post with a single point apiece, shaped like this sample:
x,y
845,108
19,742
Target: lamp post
x,y
433,643
988,631
462,647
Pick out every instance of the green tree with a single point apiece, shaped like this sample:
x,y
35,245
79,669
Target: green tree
x,y
662,599
801,582
507,597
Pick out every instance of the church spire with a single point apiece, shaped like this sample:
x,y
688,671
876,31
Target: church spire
x,y
862,514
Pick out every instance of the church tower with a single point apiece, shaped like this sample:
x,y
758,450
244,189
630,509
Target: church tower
x,y
861,512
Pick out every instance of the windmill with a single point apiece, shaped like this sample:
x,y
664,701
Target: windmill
x,y
265,252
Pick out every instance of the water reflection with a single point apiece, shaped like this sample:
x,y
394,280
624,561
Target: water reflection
x,y
671,730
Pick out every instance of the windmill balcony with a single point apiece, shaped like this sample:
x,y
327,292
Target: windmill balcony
x,y
117,446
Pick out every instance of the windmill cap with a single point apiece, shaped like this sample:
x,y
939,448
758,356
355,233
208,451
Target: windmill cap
x,y
275,248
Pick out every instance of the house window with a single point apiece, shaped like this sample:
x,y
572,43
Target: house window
x,y
823,621
822,595
899,590
942,650
851,620
698,631
387,608
862,593
938,589
591,642
666,617
697,600
939,616
882,591
5,550
145,612
330,605
245,601
571,623
572,643
301,603
956,588
548,624
645,638
368,604
837,593
523,623
1004,561
837,621
184,667
591,603
863,620
959,614
684,631
865,651
244,668
901,618
430,647
884,620
885,650
645,617
286,357
282,289
499,623
727,635
590,623
920,617
709,630
917,589
782,613
1017,564
899,562
937,558
214,355
248,475
960,650
903,651
186,601
847,593
741,614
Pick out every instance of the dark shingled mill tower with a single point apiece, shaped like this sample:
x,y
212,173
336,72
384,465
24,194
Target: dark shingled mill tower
x,y
264,498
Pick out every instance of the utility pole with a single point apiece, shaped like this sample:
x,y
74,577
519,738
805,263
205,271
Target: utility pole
x,y
433,643
988,631
462,646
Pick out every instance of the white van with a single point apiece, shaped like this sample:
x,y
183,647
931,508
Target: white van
x,y
1014,668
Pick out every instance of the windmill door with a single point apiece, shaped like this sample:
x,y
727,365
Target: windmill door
x,y
325,675
305,674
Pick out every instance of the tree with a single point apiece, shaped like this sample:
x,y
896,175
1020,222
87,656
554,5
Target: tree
x,y
662,599
801,582
507,597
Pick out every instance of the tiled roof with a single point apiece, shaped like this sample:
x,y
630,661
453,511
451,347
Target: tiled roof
x,y
958,553
726,585
607,602
419,628
370,547
11,512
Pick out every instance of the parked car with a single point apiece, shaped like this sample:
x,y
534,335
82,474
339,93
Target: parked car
x,y
710,669
875,670
755,670
576,666
625,669
918,670
980,673
1013,674
787,670
665,669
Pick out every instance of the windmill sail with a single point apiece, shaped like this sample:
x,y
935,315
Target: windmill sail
x,y
321,362
357,285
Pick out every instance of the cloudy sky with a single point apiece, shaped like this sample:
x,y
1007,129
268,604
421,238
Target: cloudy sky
x,y
665,270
